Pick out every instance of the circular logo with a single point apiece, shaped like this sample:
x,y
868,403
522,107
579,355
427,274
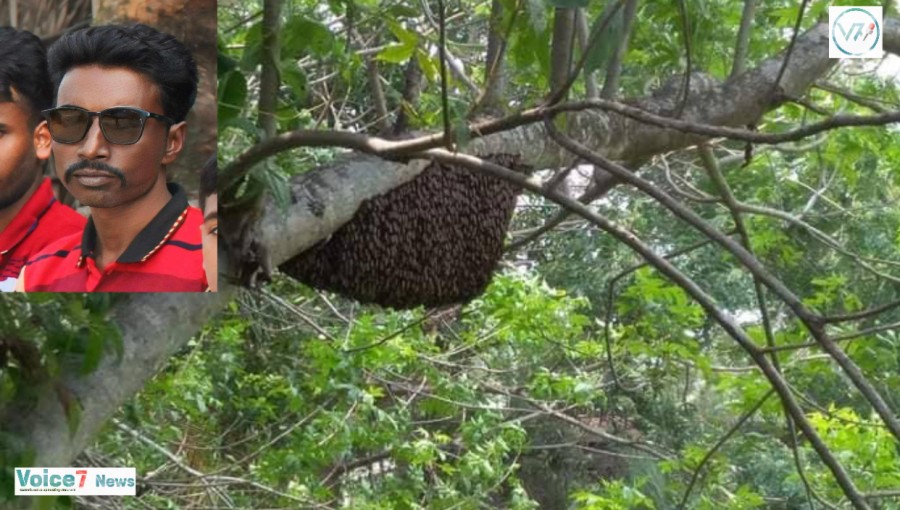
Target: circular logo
x,y
855,32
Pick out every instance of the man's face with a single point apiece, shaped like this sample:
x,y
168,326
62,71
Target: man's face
x,y
18,163
210,229
97,172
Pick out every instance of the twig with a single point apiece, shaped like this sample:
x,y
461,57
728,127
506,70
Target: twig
x,y
666,268
445,105
743,39
838,338
404,148
790,48
813,322
734,428
686,35
865,314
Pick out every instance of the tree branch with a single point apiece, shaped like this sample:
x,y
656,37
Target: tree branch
x,y
666,268
743,39
614,69
813,322
154,327
269,77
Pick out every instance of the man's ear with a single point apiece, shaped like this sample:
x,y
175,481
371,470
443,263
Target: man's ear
x,y
174,142
42,141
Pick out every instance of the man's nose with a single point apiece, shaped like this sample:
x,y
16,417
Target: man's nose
x,y
94,145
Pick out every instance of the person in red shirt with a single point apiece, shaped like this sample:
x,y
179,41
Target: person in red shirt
x,y
122,95
30,216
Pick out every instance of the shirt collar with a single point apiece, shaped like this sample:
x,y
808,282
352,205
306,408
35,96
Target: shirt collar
x,y
152,237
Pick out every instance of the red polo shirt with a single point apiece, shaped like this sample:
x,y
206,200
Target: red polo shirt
x,y
164,257
42,220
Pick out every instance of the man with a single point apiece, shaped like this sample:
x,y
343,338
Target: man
x,y
122,95
30,216
209,199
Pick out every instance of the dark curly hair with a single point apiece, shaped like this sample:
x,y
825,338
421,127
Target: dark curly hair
x,y
159,56
23,67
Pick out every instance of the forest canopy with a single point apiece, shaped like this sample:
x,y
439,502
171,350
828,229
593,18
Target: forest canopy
x,y
696,302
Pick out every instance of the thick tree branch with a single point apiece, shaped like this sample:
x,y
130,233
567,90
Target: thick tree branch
x,y
813,322
633,133
154,327
666,268
326,198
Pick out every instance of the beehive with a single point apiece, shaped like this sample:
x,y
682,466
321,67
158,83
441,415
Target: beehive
x,y
433,241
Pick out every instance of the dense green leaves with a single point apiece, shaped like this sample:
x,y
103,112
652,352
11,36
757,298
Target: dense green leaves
x,y
38,334
578,380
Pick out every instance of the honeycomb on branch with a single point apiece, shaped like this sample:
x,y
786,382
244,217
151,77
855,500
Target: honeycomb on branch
x,y
433,241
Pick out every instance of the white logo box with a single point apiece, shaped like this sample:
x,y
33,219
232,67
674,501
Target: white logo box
x,y
855,32
75,481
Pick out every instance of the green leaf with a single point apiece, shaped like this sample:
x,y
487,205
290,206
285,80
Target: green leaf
x,y
224,63
301,35
242,123
430,67
47,503
93,351
399,53
72,410
232,94
294,77
396,54
608,41
275,181
252,48
403,35
402,11
458,124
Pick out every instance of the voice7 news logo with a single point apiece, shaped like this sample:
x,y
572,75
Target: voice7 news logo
x,y
75,481
854,32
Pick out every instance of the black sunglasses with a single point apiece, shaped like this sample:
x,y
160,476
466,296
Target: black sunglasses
x,y
121,125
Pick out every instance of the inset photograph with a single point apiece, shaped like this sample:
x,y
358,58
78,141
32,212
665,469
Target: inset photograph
x,y
109,118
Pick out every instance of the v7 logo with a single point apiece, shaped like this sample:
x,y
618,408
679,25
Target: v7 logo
x,y
856,28
853,32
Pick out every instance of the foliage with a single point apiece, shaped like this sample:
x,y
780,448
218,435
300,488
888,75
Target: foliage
x,y
581,378
40,334
579,328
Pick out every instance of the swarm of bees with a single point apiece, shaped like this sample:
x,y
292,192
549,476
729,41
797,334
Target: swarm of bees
x,y
433,241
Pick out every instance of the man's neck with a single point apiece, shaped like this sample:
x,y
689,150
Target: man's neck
x,y
117,227
7,214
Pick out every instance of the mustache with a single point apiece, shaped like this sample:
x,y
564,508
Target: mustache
x,y
93,165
